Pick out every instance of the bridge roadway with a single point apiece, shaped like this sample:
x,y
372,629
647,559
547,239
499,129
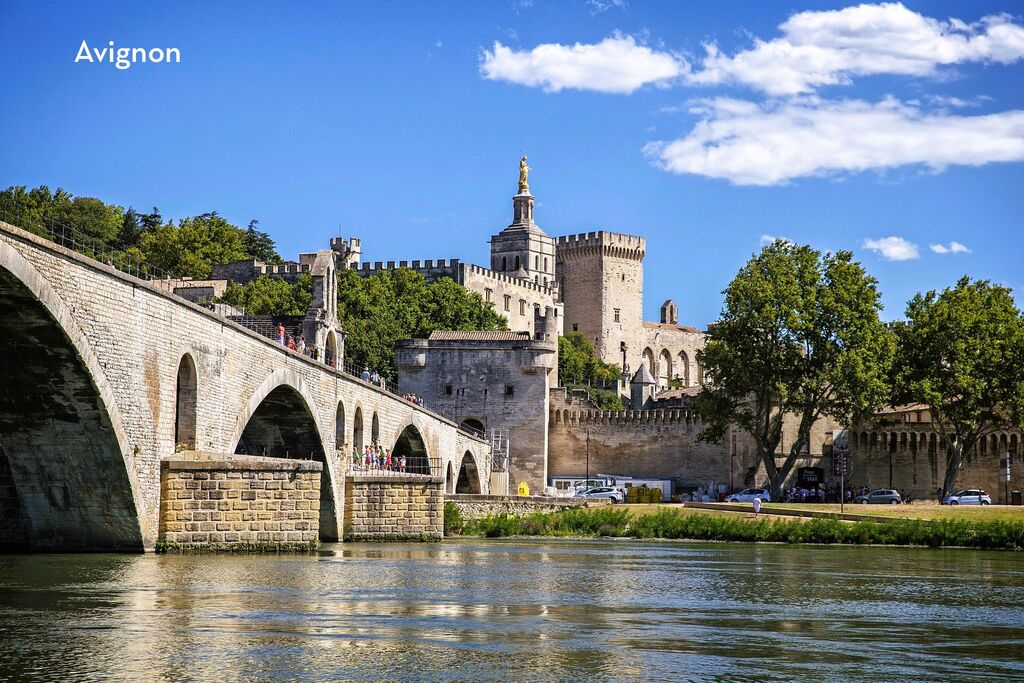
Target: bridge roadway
x,y
103,374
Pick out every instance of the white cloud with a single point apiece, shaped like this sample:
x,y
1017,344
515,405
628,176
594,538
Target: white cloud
x,y
618,64
769,144
893,248
770,239
829,47
599,6
952,248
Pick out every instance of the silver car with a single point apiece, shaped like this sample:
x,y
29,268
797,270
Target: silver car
x,y
968,497
613,494
885,496
748,496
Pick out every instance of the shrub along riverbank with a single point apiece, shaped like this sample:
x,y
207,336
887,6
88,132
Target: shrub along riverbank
x,y
670,524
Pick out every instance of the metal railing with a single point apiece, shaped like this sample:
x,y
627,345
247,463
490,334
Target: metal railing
x,y
78,241
385,463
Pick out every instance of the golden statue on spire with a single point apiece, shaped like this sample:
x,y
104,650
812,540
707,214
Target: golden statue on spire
x,y
524,171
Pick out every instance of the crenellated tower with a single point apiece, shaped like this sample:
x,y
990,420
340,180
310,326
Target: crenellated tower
x,y
601,281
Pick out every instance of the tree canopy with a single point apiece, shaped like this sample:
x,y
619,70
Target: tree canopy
x,y
961,352
271,296
188,248
799,335
377,311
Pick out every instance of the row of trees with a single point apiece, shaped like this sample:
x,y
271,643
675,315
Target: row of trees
x,y
188,248
800,335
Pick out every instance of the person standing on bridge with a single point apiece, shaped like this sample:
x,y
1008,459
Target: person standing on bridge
x,y
401,463
280,334
365,376
302,343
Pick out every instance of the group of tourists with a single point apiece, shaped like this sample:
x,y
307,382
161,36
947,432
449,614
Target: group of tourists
x,y
373,378
829,494
376,458
293,342
414,399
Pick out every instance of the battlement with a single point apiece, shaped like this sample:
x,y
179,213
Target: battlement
x,y
505,277
429,268
659,416
612,243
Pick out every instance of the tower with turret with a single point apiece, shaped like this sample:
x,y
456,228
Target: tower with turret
x,y
522,249
601,281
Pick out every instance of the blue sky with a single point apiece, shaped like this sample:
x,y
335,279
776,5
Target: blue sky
x,y
879,129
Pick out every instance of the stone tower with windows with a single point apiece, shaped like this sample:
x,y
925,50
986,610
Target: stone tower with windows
x,y
601,280
522,249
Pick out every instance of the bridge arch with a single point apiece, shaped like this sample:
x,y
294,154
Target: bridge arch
x,y
357,429
279,421
185,404
469,475
375,430
340,433
61,433
410,443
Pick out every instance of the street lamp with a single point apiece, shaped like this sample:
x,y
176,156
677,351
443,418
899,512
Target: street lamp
x,y
586,483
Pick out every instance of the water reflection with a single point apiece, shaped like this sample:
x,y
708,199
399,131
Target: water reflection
x,y
503,610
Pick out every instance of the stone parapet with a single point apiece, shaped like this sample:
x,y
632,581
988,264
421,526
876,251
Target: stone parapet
x,y
214,502
394,508
478,507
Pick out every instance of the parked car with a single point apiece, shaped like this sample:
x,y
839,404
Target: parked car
x,y
968,497
748,496
885,496
613,494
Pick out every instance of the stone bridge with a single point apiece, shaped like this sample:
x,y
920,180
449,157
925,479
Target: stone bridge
x,y
103,375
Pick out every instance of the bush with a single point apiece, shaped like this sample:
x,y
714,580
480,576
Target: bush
x,y
669,523
452,519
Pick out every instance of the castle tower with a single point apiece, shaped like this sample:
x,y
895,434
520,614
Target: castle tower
x,y
523,249
669,313
601,280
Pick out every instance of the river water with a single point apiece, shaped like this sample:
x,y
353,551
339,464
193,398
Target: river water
x,y
518,611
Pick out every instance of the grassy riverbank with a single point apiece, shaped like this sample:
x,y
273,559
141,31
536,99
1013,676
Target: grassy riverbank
x,y
673,523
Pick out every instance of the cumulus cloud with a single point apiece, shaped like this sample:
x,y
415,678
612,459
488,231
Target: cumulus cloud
x,y
951,248
821,48
893,248
772,143
618,64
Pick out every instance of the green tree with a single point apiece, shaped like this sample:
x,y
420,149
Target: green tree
x,y
961,352
579,367
259,245
131,229
799,335
272,296
194,246
377,311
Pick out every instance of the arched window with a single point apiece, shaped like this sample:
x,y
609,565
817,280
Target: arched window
x,y
665,368
545,264
536,262
683,371
649,361
504,263
185,405
517,261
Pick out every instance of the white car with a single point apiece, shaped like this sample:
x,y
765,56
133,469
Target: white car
x,y
613,494
968,497
748,496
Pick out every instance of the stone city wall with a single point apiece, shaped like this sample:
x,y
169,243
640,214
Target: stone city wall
x,y
394,508
660,443
918,462
242,503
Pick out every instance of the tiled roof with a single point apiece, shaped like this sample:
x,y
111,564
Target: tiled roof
x,y
666,326
454,335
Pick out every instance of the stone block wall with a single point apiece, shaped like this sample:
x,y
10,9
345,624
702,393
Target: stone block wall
x,y
477,507
394,508
239,503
